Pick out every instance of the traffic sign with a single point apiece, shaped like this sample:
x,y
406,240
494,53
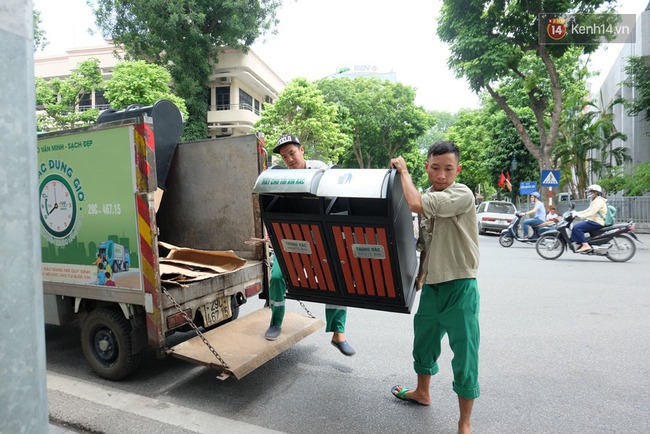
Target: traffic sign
x,y
550,178
527,187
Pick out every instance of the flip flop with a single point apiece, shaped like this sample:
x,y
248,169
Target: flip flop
x,y
402,395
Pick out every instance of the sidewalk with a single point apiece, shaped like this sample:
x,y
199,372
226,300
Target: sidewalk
x,y
83,407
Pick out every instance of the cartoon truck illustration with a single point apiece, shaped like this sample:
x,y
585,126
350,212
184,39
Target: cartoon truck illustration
x,y
115,254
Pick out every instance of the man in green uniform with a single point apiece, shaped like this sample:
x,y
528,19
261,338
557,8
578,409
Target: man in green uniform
x,y
292,153
449,302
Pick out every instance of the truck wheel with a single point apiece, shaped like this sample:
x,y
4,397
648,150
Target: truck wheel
x,y
126,266
106,343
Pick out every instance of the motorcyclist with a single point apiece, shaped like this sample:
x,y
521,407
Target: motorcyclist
x,y
591,218
538,210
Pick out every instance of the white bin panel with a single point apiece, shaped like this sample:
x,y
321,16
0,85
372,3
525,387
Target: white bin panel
x,y
282,181
354,183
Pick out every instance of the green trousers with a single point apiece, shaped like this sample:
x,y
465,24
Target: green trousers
x,y
334,315
452,308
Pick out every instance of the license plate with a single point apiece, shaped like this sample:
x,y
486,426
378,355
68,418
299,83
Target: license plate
x,y
217,311
500,222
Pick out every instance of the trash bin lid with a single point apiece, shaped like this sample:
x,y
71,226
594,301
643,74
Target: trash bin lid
x,y
284,181
360,183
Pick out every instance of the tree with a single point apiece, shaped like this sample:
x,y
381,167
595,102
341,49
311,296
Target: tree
x,y
184,36
59,99
441,122
40,40
494,43
638,77
471,134
635,184
302,110
138,82
382,118
584,144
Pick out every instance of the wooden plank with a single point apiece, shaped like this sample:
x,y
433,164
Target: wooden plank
x,y
241,343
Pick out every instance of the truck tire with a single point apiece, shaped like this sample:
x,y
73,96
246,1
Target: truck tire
x,y
106,343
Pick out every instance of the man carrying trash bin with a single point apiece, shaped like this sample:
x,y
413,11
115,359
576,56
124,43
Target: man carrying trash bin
x,y
292,153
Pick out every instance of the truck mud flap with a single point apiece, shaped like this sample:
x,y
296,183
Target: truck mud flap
x,y
241,343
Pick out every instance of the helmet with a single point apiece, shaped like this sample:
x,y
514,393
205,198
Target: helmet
x,y
536,195
595,188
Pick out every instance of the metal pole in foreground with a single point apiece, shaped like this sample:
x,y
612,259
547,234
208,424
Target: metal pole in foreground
x,y
23,394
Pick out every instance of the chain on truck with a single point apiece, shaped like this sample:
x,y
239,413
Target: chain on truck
x,y
143,237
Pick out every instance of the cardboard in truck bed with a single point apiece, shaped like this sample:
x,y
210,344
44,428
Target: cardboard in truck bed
x,y
191,265
242,344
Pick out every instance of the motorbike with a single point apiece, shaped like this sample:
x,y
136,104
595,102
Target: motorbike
x,y
615,242
510,234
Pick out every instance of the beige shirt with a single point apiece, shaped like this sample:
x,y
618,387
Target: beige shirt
x,y
449,234
596,212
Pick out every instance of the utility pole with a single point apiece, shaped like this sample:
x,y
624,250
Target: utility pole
x,y
23,394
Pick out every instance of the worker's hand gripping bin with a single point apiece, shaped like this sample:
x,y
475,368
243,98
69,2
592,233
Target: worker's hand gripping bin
x,y
341,236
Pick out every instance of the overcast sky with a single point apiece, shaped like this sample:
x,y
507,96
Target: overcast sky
x,y
316,37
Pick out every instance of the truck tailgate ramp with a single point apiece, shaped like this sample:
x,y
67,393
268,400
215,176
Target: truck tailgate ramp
x,y
241,343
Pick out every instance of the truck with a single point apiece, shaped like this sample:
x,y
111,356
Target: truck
x,y
177,220
115,255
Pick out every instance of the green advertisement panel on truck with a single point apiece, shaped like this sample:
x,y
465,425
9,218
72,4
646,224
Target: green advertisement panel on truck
x,y
100,232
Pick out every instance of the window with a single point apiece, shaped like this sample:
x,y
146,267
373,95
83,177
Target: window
x,y
245,101
223,98
257,107
502,208
100,100
86,101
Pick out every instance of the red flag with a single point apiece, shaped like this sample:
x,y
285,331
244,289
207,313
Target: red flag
x,y
502,180
508,184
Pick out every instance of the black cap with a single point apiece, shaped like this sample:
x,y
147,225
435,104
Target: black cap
x,y
285,139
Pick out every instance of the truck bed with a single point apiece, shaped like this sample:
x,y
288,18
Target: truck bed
x,y
241,343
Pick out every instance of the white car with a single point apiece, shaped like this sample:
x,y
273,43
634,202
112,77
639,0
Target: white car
x,y
494,216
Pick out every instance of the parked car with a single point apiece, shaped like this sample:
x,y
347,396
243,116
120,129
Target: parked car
x,y
494,215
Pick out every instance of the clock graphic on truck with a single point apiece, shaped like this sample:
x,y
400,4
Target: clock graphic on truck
x,y
58,206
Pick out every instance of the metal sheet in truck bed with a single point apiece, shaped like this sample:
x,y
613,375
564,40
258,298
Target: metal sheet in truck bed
x,y
241,343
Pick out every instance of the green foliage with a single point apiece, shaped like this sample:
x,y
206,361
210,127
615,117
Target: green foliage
x,y
441,122
302,110
40,40
58,99
138,82
638,77
184,36
471,135
380,117
585,143
496,46
636,184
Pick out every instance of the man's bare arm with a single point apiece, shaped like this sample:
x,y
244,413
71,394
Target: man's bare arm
x,y
411,194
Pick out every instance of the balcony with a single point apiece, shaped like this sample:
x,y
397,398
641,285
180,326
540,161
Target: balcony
x,y
232,115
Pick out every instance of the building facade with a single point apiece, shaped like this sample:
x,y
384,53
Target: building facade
x,y
635,128
239,86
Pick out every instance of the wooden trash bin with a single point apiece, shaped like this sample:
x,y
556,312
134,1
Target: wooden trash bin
x,y
341,236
